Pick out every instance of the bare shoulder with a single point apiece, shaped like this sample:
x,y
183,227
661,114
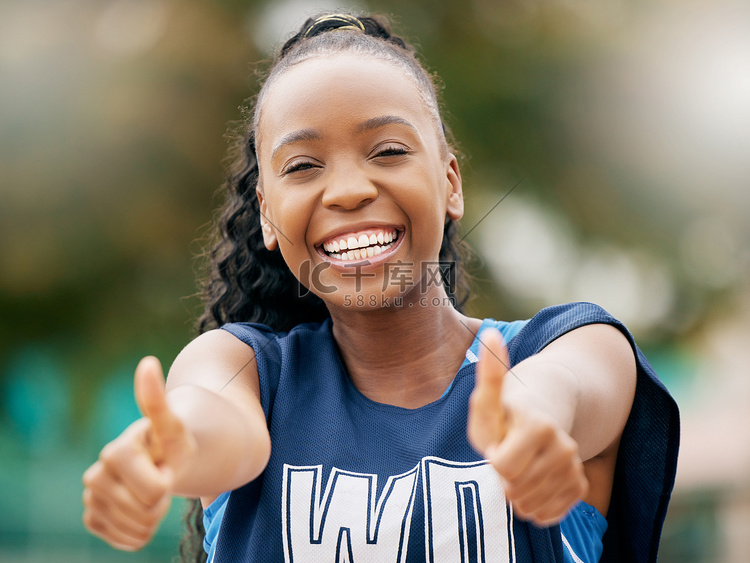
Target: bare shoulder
x,y
218,361
599,343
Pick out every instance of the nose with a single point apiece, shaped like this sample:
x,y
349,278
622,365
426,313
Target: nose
x,y
348,189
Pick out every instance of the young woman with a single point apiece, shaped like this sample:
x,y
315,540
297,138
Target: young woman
x,y
365,418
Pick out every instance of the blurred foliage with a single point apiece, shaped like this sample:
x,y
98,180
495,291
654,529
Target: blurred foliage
x,y
113,116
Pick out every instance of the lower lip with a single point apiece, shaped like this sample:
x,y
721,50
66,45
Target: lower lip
x,y
374,261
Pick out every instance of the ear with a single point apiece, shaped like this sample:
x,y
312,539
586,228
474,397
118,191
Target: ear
x,y
455,204
269,233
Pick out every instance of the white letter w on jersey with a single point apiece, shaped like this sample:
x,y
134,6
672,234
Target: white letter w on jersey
x,y
346,525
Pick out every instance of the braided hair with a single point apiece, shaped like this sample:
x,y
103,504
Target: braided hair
x,y
247,282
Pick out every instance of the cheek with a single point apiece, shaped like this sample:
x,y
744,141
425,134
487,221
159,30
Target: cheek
x,y
290,216
427,212
286,210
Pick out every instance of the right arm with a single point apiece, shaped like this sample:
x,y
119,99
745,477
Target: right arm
x,y
204,434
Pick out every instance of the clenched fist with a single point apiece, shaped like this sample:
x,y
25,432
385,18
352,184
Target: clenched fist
x,y
129,489
537,461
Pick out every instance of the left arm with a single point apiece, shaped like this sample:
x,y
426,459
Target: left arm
x,y
551,425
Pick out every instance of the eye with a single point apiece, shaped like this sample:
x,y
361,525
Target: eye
x,y
298,166
391,150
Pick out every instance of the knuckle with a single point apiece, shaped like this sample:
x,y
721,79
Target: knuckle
x,y
154,515
548,517
568,445
93,523
520,507
546,431
568,455
150,520
110,455
524,509
92,474
509,489
503,470
140,543
509,471
155,495
511,477
151,497
141,538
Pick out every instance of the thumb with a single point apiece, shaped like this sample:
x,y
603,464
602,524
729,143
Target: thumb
x,y
151,398
487,417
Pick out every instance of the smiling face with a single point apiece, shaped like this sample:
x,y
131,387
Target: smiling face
x,y
355,176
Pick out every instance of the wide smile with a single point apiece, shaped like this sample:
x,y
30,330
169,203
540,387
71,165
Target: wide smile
x,y
364,246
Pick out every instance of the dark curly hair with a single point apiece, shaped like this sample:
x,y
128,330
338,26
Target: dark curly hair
x,y
247,282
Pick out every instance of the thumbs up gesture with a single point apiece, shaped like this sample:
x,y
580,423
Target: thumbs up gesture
x,y
538,462
129,489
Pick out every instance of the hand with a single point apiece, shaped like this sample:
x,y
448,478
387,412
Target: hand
x,y
538,462
128,490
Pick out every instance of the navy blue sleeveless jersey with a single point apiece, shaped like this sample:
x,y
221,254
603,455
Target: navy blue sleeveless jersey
x,y
352,480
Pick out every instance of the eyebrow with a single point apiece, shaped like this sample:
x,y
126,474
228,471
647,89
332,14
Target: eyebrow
x,y
382,121
368,125
295,136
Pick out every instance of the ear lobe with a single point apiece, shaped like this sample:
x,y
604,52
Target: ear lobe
x,y
269,234
455,203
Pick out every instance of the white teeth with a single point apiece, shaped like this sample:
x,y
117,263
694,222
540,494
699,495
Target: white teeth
x,y
362,253
363,246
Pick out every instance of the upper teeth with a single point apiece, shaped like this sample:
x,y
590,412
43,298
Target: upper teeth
x,y
363,241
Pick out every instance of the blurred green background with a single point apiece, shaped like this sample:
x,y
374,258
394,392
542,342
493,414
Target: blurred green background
x,y
627,124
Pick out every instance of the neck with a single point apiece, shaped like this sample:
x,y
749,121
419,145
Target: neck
x,y
404,355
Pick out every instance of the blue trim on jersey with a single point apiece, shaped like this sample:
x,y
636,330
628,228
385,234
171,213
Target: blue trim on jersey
x,y
213,515
508,331
582,532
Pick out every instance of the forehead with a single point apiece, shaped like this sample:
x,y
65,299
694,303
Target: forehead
x,y
345,85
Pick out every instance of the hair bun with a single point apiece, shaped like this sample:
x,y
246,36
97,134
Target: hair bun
x,y
333,22
372,25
